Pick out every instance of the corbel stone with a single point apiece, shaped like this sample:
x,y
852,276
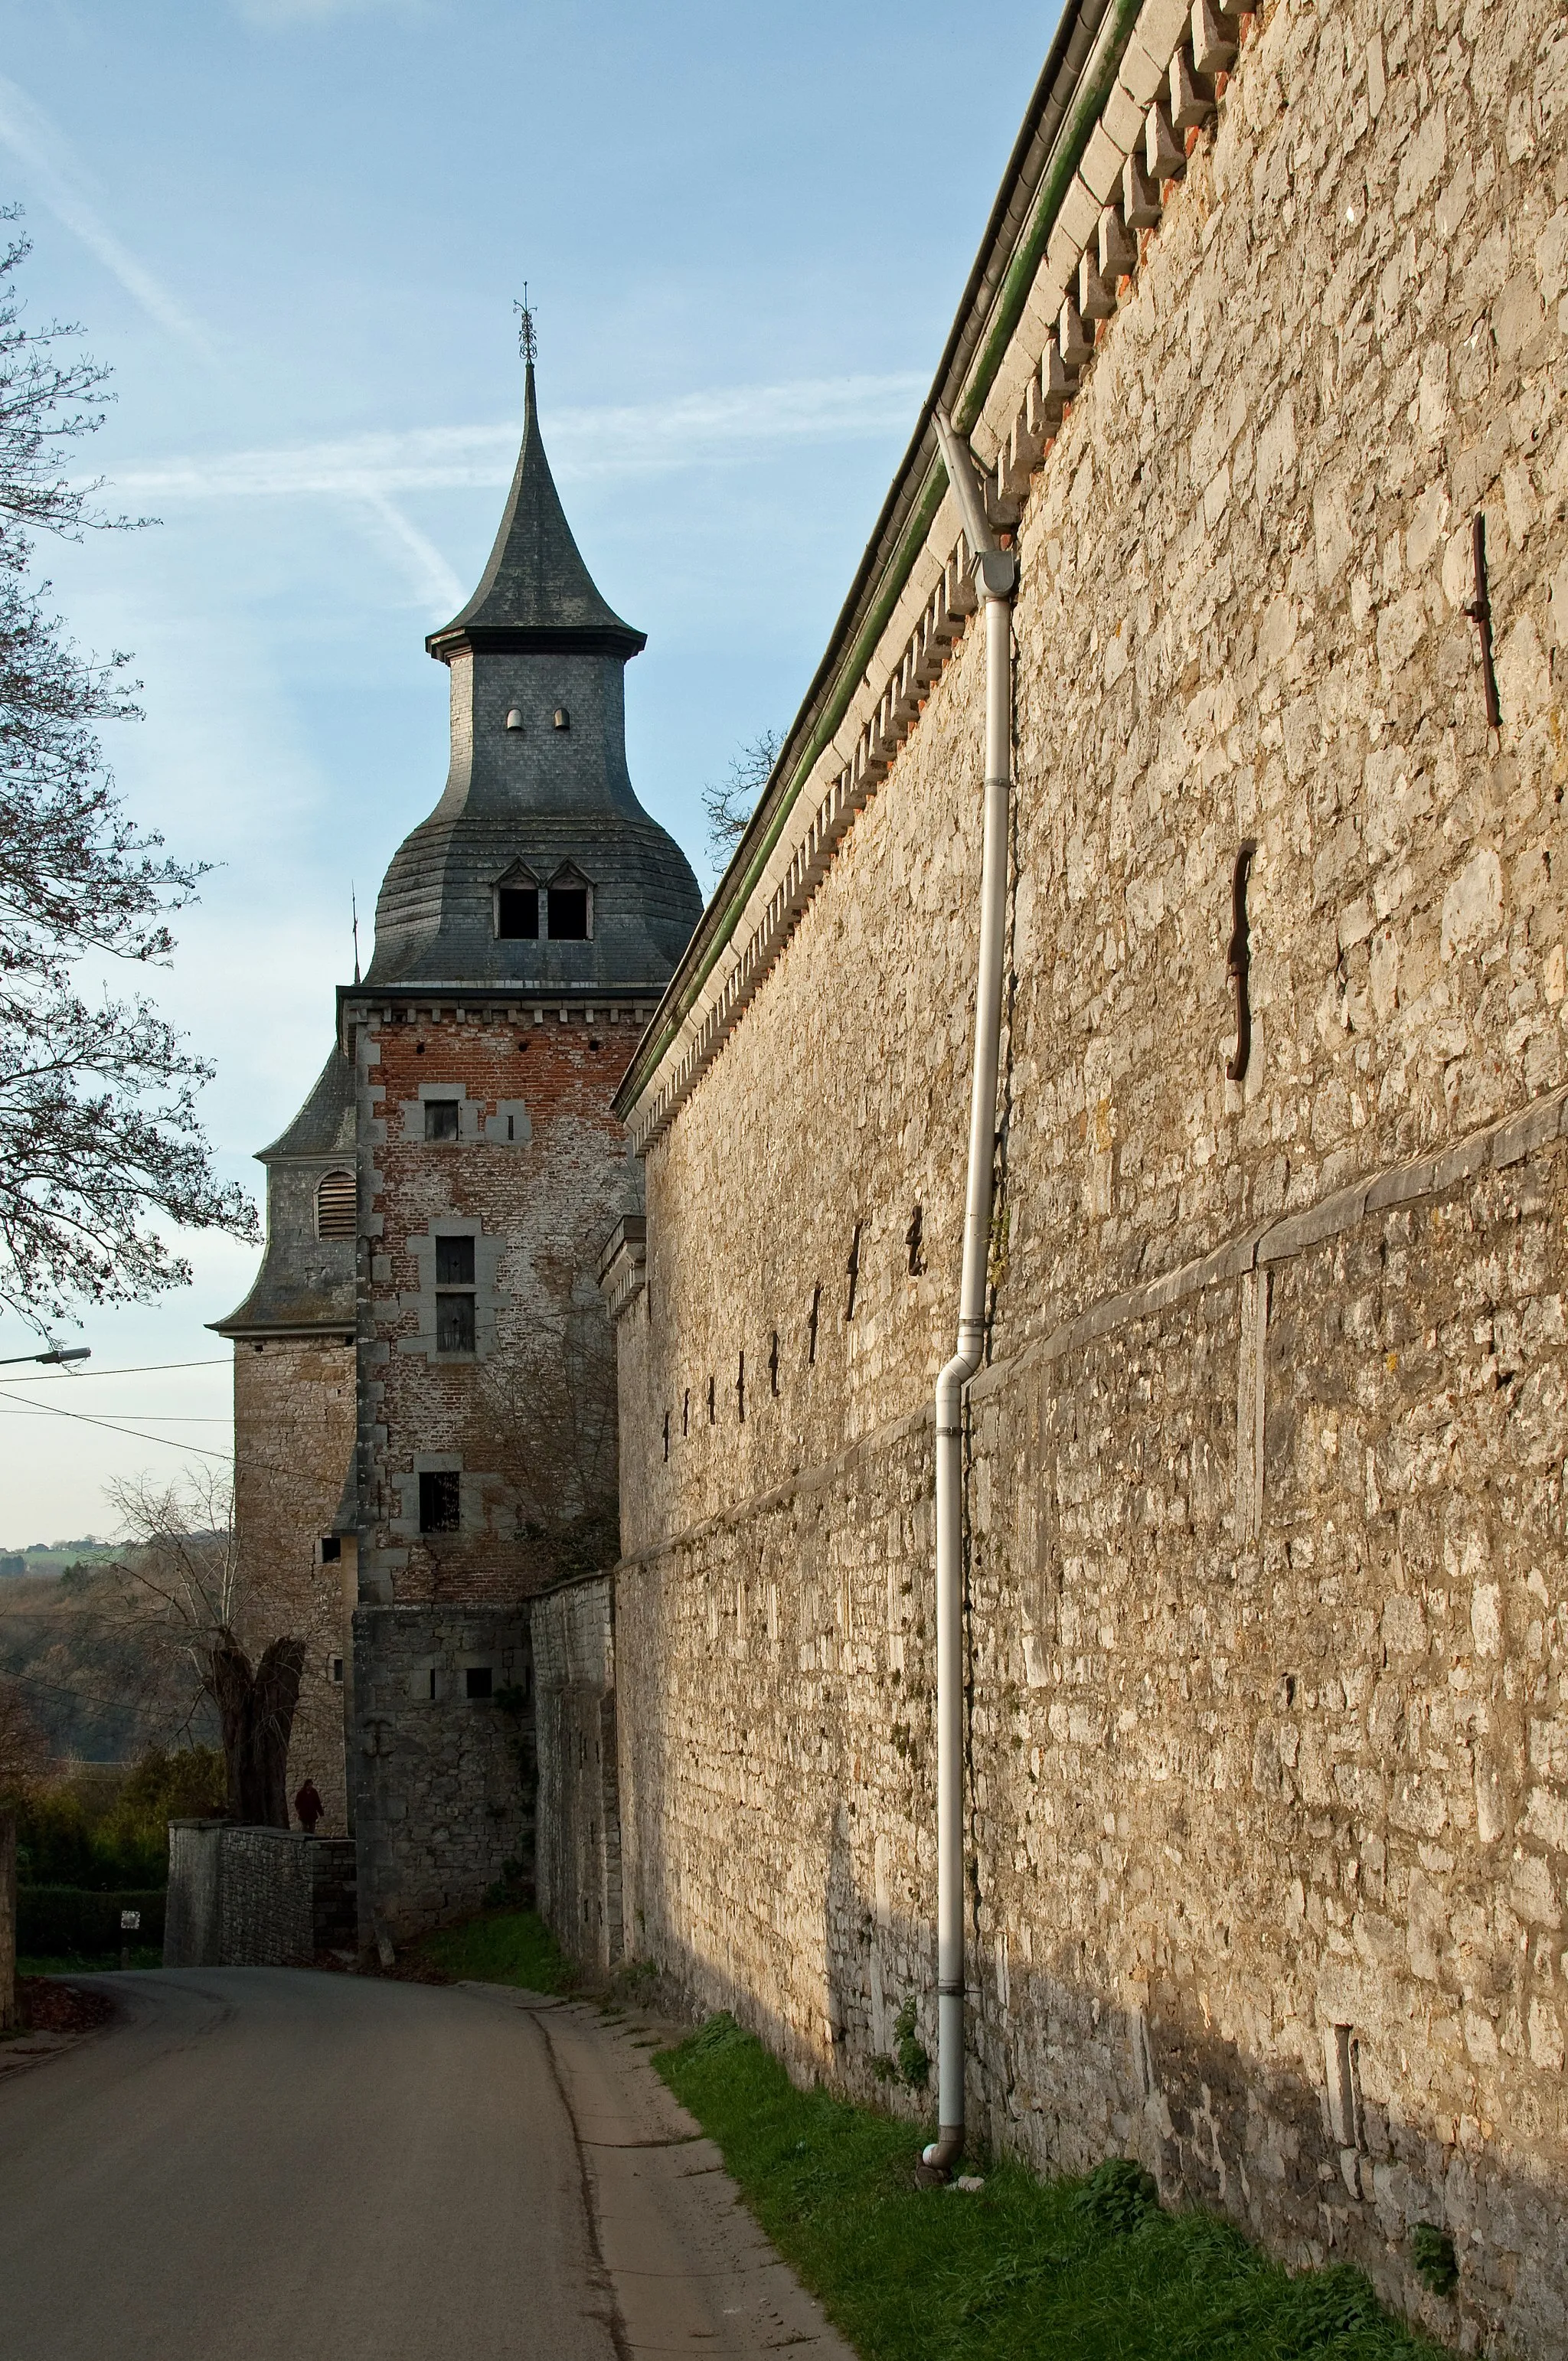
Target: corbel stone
x,y
1191,101
1096,295
1025,445
1213,49
1118,251
1076,347
1140,196
1162,151
963,598
1057,382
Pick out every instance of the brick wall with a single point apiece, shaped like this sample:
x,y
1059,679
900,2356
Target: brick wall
x,y
294,1430
1268,1795
444,1781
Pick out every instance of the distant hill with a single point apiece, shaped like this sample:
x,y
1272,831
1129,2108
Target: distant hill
x,y
46,1558
96,1689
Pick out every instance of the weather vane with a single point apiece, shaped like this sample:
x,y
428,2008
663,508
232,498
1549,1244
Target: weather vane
x,y
527,343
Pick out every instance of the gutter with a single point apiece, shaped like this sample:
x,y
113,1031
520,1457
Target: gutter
x,y
1068,100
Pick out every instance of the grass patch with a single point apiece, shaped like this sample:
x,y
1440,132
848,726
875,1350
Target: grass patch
x,y
1079,2271
499,1946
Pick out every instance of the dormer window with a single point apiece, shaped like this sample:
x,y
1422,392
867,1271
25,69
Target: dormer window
x,y
517,905
570,910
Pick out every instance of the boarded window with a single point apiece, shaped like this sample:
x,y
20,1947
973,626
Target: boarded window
x,y
441,1118
517,914
336,1205
453,1323
568,914
438,1504
455,1262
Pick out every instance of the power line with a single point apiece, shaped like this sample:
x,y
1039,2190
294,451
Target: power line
x,y
147,1369
169,1443
157,1417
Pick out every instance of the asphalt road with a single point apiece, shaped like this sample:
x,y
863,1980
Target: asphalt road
x,y
264,2165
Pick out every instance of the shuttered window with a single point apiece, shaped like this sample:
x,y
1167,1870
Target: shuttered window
x,y
336,1204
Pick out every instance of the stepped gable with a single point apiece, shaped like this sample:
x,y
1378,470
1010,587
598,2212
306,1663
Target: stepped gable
x,y
306,1283
538,793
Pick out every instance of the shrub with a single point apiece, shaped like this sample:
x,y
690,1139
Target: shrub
x,y
67,1922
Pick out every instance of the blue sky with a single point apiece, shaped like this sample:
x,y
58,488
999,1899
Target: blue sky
x,y
295,228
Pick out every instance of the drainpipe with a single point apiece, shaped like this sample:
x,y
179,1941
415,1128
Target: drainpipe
x,y
997,573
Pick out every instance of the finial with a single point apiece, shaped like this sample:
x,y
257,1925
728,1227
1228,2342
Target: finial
x,y
354,910
527,342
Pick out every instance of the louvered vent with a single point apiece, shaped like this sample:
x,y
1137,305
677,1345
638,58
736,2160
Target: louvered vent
x,y
337,1201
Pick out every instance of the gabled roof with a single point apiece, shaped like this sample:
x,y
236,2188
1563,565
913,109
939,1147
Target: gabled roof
x,y
536,593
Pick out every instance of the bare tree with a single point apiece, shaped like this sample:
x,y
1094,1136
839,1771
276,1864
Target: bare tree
x,y
98,1130
179,1586
728,805
549,1406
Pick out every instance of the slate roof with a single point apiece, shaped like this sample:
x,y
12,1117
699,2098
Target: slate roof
x,y
536,592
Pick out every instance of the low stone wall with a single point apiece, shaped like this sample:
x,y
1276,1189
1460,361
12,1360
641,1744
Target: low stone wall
x,y
442,1768
578,1856
256,1897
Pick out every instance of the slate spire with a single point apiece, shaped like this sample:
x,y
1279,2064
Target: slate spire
x,y
535,594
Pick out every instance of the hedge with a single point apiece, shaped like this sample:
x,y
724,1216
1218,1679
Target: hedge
x,y
55,1921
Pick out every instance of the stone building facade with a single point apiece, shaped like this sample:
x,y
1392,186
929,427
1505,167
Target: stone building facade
x,y
1266,1789
424,1382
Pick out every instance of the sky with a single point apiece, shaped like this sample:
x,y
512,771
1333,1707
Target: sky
x,y
296,230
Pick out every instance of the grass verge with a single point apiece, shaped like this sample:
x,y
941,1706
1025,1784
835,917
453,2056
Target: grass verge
x,y
1079,2271
498,1947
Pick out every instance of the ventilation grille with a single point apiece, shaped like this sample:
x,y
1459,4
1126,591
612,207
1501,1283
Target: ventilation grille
x,y
336,1205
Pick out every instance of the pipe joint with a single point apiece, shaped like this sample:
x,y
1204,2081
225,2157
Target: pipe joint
x,y
997,571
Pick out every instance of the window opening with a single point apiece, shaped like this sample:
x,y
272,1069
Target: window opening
x,y
666,1435
568,914
438,1504
712,1413
816,1308
335,1672
432,1689
686,1411
454,1312
441,1118
853,1270
332,1549
336,1206
740,1389
773,1363
455,1262
517,914
914,1239
477,1680
1238,961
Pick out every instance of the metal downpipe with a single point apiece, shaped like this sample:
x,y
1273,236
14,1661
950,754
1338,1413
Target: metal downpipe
x,y
997,574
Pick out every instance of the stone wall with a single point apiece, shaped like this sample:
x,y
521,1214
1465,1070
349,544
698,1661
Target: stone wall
x,y
578,1864
443,1780
256,1897
294,1422
1267,1787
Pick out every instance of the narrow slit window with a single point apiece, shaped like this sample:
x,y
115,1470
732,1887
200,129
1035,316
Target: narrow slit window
x,y
773,1363
815,1315
852,1272
740,1389
517,914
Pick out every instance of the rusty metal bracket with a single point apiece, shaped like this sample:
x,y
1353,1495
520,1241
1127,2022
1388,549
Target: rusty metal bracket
x,y
1480,613
1238,962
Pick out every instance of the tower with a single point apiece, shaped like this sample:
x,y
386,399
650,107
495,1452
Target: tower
x,y
523,933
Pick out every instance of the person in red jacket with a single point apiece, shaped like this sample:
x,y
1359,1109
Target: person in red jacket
x,y
309,1806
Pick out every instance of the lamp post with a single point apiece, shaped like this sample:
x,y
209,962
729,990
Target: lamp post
x,y
60,1353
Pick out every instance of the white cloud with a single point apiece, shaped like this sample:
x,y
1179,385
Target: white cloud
x,y
629,440
57,177
430,579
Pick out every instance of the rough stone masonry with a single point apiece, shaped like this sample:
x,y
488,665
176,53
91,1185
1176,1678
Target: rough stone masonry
x,y
1268,1782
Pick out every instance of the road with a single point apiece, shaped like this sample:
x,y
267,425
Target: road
x,y
260,2164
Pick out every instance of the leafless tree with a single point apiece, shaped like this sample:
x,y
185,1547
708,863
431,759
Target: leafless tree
x,y
178,1583
98,1128
729,803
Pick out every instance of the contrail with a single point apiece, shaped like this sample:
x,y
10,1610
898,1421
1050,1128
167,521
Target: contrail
x,y
58,178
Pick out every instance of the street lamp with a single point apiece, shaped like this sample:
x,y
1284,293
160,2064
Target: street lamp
x,y
68,1352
